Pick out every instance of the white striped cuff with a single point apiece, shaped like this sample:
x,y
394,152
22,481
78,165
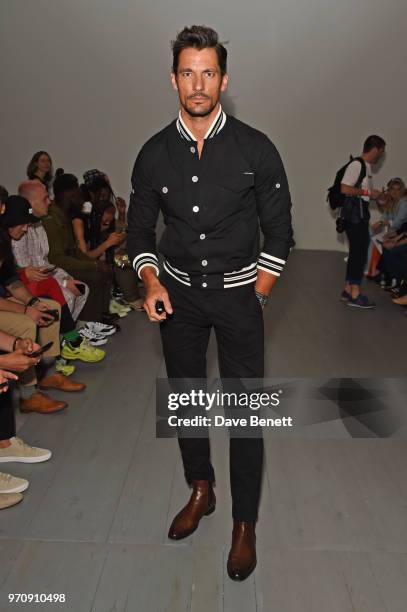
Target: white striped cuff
x,y
143,260
269,263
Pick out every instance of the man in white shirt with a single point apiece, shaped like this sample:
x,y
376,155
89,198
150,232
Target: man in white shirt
x,y
357,186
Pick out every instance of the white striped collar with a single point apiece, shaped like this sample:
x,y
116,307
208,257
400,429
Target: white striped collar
x,y
215,127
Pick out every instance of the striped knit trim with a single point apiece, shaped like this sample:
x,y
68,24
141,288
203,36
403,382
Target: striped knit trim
x,y
230,279
245,275
145,259
215,127
272,258
245,282
182,277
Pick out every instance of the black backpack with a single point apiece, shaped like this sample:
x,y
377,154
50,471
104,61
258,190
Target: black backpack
x,y
335,197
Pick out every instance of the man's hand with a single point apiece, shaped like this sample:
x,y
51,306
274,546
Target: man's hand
x,y
71,286
34,273
115,238
39,315
5,376
156,292
17,361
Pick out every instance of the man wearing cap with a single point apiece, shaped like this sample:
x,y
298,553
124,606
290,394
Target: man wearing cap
x,y
215,179
23,314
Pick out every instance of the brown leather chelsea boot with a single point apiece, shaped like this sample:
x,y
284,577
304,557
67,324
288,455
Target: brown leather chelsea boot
x,y
202,502
242,556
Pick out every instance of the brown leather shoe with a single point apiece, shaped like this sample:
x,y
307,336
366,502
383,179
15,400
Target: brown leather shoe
x,y
401,300
61,382
242,556
202,502
42,403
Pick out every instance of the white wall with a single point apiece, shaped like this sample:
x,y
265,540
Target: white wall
x,y
87,80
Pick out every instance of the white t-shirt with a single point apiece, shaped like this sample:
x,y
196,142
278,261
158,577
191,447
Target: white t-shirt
x,y
352,174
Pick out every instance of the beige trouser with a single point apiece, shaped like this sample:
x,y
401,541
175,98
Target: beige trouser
x,y
20,325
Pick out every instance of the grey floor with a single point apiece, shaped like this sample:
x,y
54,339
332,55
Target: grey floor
x,y
332,534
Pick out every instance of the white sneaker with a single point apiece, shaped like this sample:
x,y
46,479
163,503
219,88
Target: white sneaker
x,y
12,484
92,337
22,452
100,328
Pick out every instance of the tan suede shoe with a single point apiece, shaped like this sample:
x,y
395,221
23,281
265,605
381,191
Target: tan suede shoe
x,y
42,403
61,382
9,499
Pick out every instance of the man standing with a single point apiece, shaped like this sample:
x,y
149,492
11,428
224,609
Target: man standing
x,y
214,178
357,187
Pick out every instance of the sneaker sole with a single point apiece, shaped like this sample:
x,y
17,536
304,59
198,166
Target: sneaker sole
x,y
18,489
109,332
99,342
359,306
26,459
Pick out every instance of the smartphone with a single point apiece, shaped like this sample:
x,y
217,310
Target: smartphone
x,y
48,270
159,307
54,313
81,287
41,350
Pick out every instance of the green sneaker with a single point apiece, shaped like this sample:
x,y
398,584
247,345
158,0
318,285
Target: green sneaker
x,y
64,368
84,352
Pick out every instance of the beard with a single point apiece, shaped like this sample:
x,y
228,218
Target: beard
x,y
199,112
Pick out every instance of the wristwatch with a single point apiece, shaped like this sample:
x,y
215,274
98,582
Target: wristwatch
x,y
263,299
33,301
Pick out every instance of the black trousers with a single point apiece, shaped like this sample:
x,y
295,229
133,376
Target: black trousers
x,y
237,318
359,238
7,420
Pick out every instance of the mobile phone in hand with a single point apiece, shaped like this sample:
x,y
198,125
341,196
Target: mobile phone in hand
x,y
81,287
159,307
53,312
41,350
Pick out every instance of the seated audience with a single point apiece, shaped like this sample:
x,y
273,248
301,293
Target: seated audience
x,y
101,236
64,254
23,314
14,357
96,236
393,206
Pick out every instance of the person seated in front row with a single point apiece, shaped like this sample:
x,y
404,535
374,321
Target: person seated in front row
x,y
14,359
64,254
31,254
393,207
25,315
96,237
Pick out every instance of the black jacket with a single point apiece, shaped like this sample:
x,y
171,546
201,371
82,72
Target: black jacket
x,y
211,206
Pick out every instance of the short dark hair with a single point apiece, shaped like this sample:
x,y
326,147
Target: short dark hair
x,y
198,37
64,183
373,142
